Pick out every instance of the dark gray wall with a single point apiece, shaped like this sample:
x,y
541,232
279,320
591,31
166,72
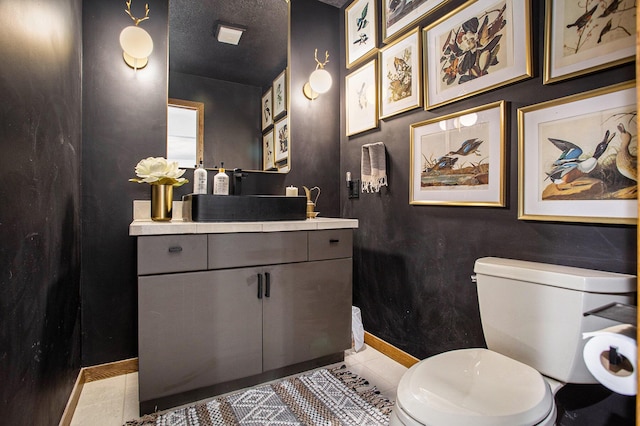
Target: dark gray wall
x,y
413,263
232,127
124,120
40,134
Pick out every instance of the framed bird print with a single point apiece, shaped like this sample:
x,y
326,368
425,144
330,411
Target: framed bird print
x,y
280,94
459,159
268,162
360,20
477,47
578,157
587,36
361,97
399,15
400,70
281,139
267,109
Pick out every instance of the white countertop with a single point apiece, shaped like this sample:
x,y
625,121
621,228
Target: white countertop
x,y
143,225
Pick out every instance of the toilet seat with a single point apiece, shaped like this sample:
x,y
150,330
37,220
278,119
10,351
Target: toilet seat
x,y
474,387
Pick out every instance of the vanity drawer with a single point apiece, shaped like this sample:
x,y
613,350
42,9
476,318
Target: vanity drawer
x,y
171,253
330,244
253,249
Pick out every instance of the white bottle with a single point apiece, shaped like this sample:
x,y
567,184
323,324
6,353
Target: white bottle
x,y
221,182
200,180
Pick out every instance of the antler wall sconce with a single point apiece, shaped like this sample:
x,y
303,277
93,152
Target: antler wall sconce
x,y
136,43
320,80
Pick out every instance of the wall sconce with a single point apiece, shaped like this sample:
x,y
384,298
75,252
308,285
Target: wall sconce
x,y
136,43
320,80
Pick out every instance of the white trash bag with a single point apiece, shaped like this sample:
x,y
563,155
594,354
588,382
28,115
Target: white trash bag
x,y
357,329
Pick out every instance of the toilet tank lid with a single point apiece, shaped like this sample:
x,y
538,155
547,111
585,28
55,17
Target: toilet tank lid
x,y
569,277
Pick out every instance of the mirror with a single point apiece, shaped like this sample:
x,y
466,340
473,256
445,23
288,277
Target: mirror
x,y
185,126
230,80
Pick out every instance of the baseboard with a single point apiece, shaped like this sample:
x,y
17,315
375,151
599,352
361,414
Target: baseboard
x,y
93,373
389,350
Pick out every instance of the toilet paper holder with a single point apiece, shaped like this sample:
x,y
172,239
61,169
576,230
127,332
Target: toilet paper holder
x,y
620,312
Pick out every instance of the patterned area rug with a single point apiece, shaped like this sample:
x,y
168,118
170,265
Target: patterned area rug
x,y
322,397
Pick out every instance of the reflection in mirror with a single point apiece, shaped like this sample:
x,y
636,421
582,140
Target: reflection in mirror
x,y
185,132
229,79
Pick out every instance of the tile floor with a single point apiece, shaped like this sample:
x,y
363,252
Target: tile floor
x,y
113,401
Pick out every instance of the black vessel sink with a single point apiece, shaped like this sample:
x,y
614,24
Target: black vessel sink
x,y
242,208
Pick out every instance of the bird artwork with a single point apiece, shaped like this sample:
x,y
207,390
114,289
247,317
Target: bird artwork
x,y
584,19
471,49
626,162
362,22
267,111
605,29
443,163
362,39
613,6
569,165
363,102
470,146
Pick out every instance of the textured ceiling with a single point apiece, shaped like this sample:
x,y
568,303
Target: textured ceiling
x,y
256,61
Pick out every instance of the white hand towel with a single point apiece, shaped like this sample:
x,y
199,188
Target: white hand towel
x,y
374,167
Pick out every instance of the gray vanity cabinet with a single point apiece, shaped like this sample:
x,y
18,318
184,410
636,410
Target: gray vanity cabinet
x,y
306,312
255,303
196,329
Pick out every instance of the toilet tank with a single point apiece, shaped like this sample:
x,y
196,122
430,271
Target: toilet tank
x,y
533,312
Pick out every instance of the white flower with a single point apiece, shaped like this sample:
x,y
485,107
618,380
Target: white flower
x,y
159,171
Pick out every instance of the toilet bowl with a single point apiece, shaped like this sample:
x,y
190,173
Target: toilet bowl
x,y
475,387
532,320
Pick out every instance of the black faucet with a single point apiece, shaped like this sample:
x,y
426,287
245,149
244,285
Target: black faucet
x,y
238,175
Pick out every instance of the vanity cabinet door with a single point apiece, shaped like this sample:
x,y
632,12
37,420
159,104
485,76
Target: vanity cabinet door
x,y
308,312
198,329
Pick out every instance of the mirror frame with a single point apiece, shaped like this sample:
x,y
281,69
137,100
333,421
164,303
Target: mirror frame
x,y
199,108
181,103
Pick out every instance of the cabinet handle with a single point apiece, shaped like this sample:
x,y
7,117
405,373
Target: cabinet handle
x,y
176,249
334,241
259,286
267,291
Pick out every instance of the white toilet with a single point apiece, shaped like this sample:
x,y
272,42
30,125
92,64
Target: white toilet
x,y
532,318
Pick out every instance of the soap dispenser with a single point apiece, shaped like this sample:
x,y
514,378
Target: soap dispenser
x,y
221,182
200,180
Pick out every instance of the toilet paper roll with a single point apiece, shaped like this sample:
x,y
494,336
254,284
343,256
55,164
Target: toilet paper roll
x,y
620,378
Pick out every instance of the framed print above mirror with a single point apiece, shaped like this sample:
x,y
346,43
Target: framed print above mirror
x,y
397,16
585,37
280,94
477,47
267,110
360,20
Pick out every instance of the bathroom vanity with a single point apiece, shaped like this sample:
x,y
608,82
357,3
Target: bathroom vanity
x,y
227,305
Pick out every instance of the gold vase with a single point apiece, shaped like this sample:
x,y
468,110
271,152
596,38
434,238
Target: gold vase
x,y
161,202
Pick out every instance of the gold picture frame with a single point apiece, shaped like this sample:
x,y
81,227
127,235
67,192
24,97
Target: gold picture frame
x,y
460,159
400,74
399,16
281,139
582,38
477,47
361,98
361,35
574,161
